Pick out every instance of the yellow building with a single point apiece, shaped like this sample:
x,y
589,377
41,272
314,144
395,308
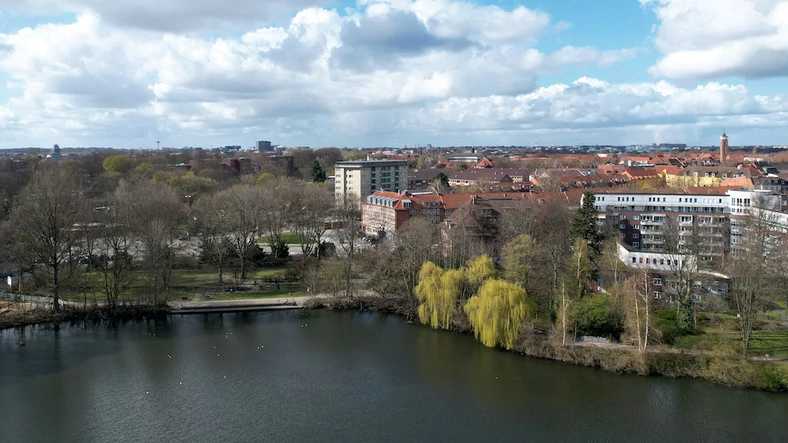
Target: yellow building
x,y
702,176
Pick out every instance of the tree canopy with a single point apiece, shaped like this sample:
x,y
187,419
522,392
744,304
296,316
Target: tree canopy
x,y
498,313
118,164
584,223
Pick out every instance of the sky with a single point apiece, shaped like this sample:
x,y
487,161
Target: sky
x,y
370,73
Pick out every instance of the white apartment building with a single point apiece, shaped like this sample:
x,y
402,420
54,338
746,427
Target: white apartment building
x,y
355,180
647,219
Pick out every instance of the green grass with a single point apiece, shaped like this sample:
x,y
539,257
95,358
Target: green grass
x,y
186,283
773,343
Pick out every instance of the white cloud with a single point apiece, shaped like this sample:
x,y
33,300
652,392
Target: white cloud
x,y
385,71
703,39
168,15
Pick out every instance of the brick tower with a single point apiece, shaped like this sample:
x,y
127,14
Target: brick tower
x,y
723,148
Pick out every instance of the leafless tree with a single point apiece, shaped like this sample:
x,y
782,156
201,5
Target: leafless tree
x,y
348,215
209,224
155,214
755,266
240,209
45,218
277,209
116,236
637,291
311,207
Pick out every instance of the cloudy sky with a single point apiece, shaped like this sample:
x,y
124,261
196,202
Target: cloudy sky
x,y
392,72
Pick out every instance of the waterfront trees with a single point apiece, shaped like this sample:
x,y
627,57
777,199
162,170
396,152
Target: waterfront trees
x,y
155,213
526,263
437,292
44,219
498,313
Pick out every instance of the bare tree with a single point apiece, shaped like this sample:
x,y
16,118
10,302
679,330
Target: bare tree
x,y
240,211
116,234
311,207
637,289
155,214
755,266
276,205
210,226
45,216
349,217
682,251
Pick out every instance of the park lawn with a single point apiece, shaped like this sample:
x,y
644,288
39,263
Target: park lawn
x,y
187,283
291,238
774,343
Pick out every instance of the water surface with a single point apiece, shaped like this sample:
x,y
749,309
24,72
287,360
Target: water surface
x,y
327,376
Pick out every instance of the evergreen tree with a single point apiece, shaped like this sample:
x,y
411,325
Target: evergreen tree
x,y
318,174
584,223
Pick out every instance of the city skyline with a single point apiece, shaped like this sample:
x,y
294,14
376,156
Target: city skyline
x,y
392,73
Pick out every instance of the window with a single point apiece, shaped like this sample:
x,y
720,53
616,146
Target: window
x,y
656,281
657,295
635,217
635,245
622,226
636,235
634,260
637,226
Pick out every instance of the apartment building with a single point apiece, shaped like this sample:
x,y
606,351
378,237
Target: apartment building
x,y
355,180
655,221
675,232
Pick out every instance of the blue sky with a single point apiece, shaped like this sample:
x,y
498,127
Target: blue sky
x,y
392,72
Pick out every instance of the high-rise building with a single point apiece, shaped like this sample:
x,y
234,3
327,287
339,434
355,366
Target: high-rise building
x,y
263,146
723,148
355,180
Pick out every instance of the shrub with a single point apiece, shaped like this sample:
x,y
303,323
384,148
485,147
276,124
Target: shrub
x,y
596,315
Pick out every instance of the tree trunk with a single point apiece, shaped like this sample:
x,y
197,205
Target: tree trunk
x,y
55,286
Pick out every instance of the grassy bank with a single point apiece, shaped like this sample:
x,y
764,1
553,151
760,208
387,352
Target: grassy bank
x,y
728,370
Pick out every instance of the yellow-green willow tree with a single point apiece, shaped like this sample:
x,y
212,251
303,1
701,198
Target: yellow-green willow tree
x,y
475,273
441,293
498,313
437,304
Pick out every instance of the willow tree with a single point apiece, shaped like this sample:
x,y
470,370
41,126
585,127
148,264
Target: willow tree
x,y
476,272
437,304
498,313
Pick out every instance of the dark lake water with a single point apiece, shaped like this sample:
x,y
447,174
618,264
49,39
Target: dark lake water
x,y
327,376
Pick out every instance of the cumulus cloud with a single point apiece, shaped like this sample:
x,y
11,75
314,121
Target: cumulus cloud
x,y
591,104
168,15
369,75
702,39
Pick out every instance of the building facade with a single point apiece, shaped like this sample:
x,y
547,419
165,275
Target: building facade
x,y
355,180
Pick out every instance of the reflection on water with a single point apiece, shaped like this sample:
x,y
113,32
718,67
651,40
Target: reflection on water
x,y
329,376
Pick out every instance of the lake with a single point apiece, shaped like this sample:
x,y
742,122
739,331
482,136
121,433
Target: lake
x,y
327,376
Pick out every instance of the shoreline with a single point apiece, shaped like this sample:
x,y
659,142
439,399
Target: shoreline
x,y
727,370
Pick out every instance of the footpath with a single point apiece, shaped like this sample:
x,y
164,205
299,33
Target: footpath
x,y
214,306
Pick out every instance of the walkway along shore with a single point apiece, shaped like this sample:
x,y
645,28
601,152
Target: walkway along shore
x,y
219,306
